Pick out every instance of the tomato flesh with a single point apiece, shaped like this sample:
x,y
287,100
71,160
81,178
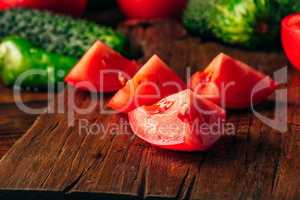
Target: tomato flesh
x,y
230,83
72,7
102,69
181,122
290,37
151,9
154,81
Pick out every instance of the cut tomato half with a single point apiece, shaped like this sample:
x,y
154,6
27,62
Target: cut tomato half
x,y
154,81
102,69
232,83
183,122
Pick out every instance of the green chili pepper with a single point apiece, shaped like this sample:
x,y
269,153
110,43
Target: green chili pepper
x,y
23,64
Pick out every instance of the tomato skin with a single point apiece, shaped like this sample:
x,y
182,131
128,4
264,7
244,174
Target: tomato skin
x,y
4,6
177,122
230,83
290,37
100,58
151,9
154,81
71,7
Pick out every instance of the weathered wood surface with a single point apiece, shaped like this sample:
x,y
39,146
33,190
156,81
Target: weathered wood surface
x,y
13,122
55,161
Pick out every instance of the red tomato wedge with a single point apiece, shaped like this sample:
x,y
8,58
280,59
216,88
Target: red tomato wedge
x,y
232,83
154,81
183,122
102,69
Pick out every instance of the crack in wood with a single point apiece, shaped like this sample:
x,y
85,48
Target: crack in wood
x,y
248,138
144,170
69,131
68,189
187,195
125,154
72,184
98,159
142,190
104,156
50,129
53,127
276,174
181,185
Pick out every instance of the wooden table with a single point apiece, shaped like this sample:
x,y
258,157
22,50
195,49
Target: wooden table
x,y
53,161
13,122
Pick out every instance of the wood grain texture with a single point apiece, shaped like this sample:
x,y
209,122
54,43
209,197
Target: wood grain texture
x,y
14,123
53,160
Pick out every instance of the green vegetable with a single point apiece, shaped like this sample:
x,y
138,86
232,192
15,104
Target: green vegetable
x,y
18,58
248,23
60,34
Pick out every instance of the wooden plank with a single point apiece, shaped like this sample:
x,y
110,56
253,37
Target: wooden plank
x,y
7,95
256,163
14,123
286,182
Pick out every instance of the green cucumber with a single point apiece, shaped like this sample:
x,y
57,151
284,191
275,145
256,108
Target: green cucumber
x,y
58,34
246,23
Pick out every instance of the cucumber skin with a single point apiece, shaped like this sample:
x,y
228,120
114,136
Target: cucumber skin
x,y
246,23
243,18
57,33
17,56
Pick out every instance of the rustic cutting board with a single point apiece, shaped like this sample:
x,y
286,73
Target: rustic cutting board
x,y
55,161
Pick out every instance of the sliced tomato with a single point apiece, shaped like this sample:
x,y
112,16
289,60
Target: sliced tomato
x,y
232,83
102,69
183,122
154,81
